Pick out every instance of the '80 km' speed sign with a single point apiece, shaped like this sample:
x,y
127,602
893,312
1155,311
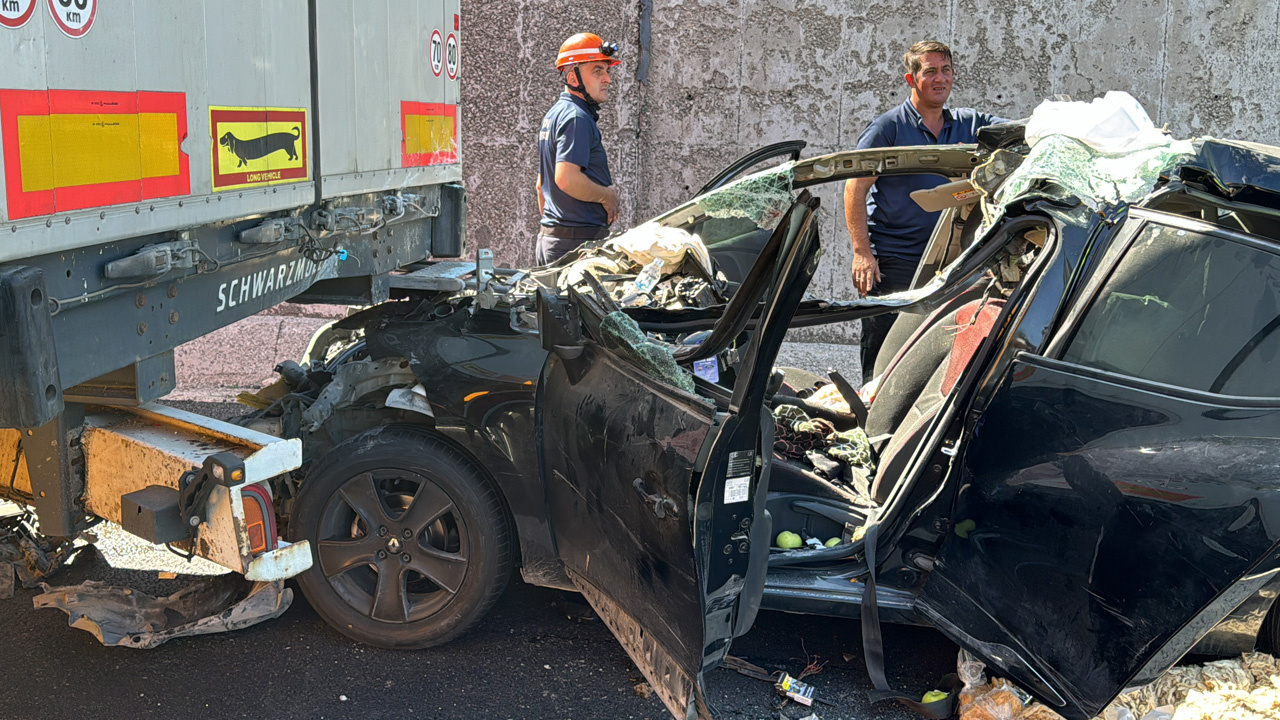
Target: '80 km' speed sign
x,y
451,56
436,51
73,17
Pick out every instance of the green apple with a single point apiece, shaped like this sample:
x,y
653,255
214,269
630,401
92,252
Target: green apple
x,y
788,540
833,542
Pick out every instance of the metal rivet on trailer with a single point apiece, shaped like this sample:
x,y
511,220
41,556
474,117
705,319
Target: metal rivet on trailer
x,y
173,317
142,328
140,301
173,291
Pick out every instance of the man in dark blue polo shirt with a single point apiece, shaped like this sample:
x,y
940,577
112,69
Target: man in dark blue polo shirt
x,y
577,199
888,229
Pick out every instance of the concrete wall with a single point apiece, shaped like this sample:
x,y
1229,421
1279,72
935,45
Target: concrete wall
x,y
731,75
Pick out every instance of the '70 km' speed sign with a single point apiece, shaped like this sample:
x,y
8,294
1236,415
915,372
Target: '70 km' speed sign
x,y
437,52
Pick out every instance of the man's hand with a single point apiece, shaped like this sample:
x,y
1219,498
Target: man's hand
x,y
610,202
866,271
573,181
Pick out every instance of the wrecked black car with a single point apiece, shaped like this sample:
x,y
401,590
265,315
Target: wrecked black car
x,y
1066,461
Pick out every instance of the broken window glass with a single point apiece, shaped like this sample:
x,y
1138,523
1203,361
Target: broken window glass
x,y
1095,178
621,334
761,198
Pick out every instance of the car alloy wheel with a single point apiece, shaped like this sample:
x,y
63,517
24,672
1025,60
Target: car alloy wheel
x,y
393,544
410,542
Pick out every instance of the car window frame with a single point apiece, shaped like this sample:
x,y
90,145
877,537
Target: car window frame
x,y
1142,218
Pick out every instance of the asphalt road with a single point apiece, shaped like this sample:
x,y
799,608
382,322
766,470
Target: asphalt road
x,y
527,659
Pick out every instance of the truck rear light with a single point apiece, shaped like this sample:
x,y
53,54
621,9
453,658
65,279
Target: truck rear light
x,y
259,518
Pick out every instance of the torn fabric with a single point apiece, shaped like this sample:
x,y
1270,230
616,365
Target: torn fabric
x,y
645,243
129,618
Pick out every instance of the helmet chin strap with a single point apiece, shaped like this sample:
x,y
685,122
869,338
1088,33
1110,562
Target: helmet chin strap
x,y
582,88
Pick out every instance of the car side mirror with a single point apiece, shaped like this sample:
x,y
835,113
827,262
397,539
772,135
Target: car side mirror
x,y
559,326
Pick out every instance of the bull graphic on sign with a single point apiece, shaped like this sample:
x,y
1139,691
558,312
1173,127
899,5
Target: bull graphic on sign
x,y
260,147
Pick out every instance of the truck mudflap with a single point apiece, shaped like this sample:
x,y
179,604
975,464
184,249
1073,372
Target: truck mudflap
x,y
135,463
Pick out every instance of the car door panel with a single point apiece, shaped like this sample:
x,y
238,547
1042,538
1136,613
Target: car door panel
x,y
620,438
1104,520
656,496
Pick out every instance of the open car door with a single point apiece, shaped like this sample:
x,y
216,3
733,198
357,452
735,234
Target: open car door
x,y
1119,492
655,493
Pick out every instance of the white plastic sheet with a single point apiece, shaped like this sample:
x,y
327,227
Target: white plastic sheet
x,y
1114,124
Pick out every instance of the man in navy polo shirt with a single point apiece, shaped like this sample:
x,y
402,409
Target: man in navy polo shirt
x,y
577,199
888,229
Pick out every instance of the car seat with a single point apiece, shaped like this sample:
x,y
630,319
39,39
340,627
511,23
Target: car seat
x,y
962,331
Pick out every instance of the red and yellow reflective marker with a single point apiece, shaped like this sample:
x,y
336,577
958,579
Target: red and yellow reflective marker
x,y
71,149
430,134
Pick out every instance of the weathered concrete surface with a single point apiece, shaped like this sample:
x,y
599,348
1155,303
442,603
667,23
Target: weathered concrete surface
x,y
208,373
730,75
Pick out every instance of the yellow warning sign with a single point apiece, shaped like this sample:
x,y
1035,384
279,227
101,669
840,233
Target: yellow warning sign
x,y
258,146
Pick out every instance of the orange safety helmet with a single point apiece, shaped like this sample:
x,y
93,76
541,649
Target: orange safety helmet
x,y
584,48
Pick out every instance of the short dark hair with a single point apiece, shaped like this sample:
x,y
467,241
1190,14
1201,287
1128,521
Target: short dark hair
x,y
913,60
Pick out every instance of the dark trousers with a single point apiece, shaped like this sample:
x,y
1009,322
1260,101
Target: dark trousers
x,y
895,276
550,249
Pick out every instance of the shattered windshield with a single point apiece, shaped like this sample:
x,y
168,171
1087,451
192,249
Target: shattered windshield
x,y
1097,179
760,198
692,257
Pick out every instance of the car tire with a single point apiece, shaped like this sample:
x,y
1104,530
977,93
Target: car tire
x,y
410,543
1269,635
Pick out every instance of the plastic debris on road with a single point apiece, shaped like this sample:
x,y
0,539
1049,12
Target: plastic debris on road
x,y
1244,688
128,618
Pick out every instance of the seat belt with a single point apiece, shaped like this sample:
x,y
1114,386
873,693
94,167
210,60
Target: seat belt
x,y
856,406
873,648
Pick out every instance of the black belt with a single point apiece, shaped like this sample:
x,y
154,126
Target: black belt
x,y
575,233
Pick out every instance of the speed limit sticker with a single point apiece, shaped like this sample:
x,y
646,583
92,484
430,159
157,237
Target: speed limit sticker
x,y
436,51
73,17
16,13
451,56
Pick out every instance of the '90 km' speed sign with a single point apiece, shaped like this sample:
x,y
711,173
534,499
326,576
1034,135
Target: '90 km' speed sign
x,y
451,56
73,17
437,52
16,13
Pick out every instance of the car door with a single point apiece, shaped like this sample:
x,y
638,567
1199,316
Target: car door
x,y
656,494
1119,494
